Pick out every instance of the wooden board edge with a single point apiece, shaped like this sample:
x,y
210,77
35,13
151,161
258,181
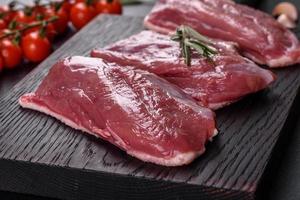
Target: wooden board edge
x,y
71,178
277,153
70,183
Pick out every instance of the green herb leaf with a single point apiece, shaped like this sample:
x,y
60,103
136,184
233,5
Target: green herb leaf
x,y
189,39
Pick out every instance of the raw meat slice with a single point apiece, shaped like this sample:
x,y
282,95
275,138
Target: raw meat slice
x,y
260,36
135,110
214,84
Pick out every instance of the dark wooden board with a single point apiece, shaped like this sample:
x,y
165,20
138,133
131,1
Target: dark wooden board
x,y
41,156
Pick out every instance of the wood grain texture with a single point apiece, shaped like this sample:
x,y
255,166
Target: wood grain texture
x,y
41,156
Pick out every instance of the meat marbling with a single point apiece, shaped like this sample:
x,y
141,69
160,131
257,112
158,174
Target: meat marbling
x,y
260,36
135,110
225,79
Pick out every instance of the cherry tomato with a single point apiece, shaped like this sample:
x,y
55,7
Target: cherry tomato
x,y
9,14
61,23
35,47
50,31
106,6
3,24
11,53
63,19
67,5
81,14
23,18
38,10
1,63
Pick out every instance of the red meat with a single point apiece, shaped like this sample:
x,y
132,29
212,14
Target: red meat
x,y
214,83
260,36
135,110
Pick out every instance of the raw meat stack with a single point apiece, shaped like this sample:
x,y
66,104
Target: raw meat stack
x,y
140,95
213,83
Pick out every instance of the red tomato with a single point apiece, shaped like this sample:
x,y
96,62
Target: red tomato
x,y
111,7
38,10
67,5
4,9
1,63
35,47
50,31
81,14
11,53
3,24
61,23
21,17
9,14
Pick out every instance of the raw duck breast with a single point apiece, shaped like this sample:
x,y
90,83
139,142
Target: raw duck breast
x,y
214,83
260,36
135,110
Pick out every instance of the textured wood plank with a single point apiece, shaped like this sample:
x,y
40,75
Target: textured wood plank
x,y
57,161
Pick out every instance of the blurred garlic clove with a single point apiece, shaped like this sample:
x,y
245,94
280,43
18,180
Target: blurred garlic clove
x,y
286,21
287,9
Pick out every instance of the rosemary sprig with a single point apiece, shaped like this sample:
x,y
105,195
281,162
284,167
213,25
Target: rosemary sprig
x,y
189,39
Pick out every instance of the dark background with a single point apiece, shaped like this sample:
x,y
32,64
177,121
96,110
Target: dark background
x,y
282,179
